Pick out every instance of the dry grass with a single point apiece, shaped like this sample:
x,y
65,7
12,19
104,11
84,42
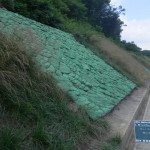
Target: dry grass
x,y
145,60
14,63
121,57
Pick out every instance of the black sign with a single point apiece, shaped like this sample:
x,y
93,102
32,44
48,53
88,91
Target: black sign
x,y
142,131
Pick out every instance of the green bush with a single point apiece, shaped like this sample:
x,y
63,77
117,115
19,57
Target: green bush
x,y
81,30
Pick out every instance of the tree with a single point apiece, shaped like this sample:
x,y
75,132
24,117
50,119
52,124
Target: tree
x,y
130,46
97,13
102,14
9,4
111,23
77,9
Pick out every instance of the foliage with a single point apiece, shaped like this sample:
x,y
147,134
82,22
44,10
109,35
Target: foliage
x,y
80,30
130,46
79,17
146,52
102,14
9,4
10,138
57,13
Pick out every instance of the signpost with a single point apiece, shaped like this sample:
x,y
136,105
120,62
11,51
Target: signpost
x,y
142,131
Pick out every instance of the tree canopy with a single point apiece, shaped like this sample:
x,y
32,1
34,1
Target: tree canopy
x,y
97,13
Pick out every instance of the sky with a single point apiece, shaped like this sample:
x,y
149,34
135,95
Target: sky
x,y
137,19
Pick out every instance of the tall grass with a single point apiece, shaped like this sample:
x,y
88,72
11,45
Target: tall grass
x,y
31,103
10,139
145,60
134,70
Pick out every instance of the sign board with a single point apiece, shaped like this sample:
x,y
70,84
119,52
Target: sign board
x,y
142,131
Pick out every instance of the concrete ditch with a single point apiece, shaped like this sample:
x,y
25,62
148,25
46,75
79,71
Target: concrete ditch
x,y
122,118
128,142
145,116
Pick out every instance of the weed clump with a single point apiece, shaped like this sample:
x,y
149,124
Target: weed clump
x,y
113,143
10,139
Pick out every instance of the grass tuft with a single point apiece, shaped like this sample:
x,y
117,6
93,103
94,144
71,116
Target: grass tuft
x,y
39,136
10,139
112,143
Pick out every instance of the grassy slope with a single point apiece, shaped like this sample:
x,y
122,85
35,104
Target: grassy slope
x,y
145,60
124,62
31,103
34,113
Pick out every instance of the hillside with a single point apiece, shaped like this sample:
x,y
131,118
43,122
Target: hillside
x,y
53,89
77,70
34,111
131,63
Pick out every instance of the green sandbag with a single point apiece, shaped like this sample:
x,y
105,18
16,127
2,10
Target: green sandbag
x,y
91,82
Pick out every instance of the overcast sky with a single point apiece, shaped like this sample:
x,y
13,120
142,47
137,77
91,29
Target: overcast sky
x,y
137,19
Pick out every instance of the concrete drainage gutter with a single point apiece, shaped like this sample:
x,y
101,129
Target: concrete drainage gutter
x,y
128,141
